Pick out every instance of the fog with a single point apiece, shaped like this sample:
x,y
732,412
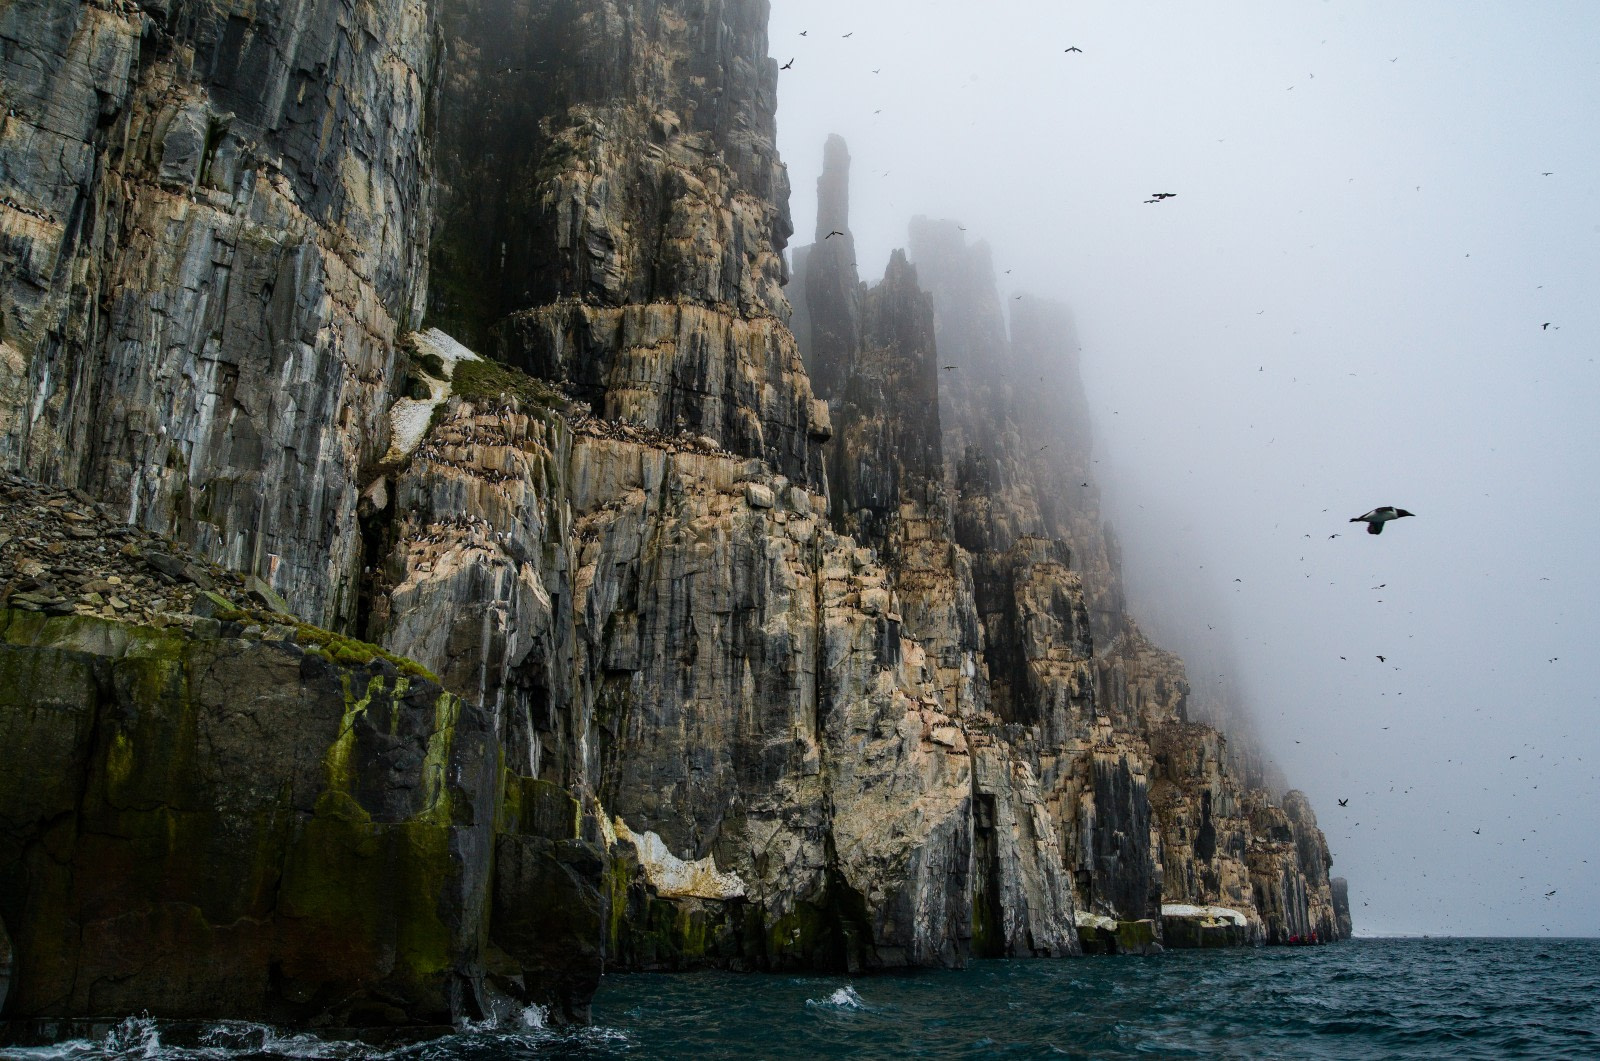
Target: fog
x,y
1378,208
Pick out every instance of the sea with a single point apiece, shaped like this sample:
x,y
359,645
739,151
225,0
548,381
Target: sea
x,y
1369,998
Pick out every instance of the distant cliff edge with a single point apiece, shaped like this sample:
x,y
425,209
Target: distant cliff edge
x,y
433,572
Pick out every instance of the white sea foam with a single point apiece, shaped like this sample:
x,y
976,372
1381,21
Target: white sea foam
x,y
842,998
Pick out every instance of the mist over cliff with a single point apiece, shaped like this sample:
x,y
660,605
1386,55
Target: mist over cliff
x,y
1370,287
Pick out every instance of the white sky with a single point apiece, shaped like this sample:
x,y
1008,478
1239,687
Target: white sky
x,y
1341,309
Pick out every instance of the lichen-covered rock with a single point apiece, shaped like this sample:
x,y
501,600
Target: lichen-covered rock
x,y
162,854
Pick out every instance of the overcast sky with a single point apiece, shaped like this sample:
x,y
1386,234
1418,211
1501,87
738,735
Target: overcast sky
x,y
1379,205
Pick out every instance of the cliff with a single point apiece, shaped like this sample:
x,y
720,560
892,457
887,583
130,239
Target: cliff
x,y
498,580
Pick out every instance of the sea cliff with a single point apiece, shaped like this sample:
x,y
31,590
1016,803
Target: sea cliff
x,y
513,594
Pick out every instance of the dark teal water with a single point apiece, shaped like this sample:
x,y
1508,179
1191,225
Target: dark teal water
x,y
1365,999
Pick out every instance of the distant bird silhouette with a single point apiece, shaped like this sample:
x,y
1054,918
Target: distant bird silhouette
x,y
962,227
1075,48
1547,174
804,32
1549,893
948,368
788,65
1344,803
1163,195
852,33
832,234
1379,516
1383,659
1477,832
1545,326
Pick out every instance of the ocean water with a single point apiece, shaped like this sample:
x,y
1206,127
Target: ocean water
x,y
1441,998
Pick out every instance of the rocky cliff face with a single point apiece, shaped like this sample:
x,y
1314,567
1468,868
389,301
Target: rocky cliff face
x,y
711,669
213,228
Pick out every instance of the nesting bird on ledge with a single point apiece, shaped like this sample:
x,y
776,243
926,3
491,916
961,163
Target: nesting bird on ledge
x,y
1379,516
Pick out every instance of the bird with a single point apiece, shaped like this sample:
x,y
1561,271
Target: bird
x,y
1549,893
1163,195
1383,659
1477,832
852,33
786,66
1545,326
948,368
1379,516
1344,803
836,232
1075,48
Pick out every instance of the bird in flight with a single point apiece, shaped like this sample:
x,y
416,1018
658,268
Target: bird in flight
x,y
832,234
852,33
804,32
1549,893
1344,803
1075,48
1158,196
788,65
1383,659
1379,516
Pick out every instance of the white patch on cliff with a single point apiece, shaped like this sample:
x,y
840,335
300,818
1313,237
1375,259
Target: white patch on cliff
x,y
1084,919
409,417
675,878
1207,913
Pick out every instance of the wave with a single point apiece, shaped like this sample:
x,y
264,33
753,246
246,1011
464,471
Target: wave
x,y
844,998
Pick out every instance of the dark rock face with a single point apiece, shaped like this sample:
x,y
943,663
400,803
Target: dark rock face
x,y
174,860
629,239
1341,907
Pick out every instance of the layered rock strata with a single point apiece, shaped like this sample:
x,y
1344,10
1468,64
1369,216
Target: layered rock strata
x,y
710,669
212,231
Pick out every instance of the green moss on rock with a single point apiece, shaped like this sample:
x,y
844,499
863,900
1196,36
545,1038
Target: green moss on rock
x,y
488,381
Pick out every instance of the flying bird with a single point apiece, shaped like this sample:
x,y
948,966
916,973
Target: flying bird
x,y
1075,48
948,368
832,234
852,33
1385,659
1379,516
1545,326
788,65
804,32
1344,803
1163,195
